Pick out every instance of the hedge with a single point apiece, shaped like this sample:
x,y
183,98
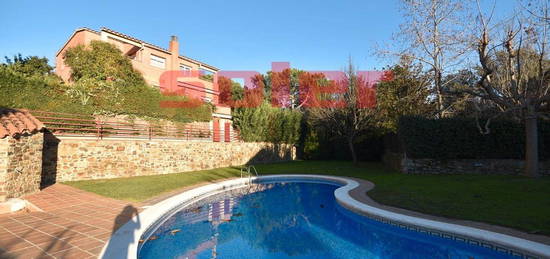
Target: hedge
x,y
45,93
268,124
459,138
35,93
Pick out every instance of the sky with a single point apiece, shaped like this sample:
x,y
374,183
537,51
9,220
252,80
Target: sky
x,y
231,35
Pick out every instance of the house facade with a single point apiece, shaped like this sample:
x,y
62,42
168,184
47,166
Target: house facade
x,y
153,62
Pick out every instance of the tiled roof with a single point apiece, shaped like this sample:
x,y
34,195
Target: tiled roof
x,y
122,35
17,122
88,29
126,36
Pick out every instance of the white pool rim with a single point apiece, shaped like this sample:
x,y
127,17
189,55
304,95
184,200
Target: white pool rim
x,y
124,242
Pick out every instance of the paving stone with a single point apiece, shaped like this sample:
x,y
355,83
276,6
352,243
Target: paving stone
x,y
73,224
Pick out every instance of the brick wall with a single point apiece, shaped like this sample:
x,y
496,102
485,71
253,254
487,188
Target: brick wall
x,y
408,165
20,165
79,159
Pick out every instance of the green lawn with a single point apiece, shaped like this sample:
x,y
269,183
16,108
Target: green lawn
x,y
141,188
512,201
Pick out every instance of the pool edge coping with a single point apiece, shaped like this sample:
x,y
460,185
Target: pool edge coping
x,y
124,242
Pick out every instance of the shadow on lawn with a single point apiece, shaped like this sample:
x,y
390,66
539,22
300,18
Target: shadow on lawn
x,y
271,154
268,155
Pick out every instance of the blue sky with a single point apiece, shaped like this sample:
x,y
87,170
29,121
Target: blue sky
x,y
231,35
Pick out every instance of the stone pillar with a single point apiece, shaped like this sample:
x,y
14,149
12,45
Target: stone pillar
x,y
4,145
20,165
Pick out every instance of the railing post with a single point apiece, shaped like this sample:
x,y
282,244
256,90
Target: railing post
x,y
99,129
150,132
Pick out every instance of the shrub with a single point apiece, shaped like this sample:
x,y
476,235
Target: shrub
x,y
29,66
104,78
19,91
269,124
102,61
459,138
104,83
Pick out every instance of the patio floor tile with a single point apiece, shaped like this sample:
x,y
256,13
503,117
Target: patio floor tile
x,y
74,253
72,224
15,244
32,253
90,244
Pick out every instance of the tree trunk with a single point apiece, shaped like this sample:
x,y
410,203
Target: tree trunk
x,y
439,92
352,151
531,144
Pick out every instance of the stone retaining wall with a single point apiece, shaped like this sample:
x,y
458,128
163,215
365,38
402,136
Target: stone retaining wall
x,y
20,165
68,159
458,166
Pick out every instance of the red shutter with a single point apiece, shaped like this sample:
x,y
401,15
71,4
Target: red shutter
x,y
216,130
227,132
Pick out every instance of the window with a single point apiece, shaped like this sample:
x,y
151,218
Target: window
x,y
157,61
134,53
206,75
185,67
206,72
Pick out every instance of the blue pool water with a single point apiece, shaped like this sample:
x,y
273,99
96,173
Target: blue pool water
x,y
291,220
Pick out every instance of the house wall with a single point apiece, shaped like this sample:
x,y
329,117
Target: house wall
x,y
150,73
82,159
20,165
142,61
407,165
81,37
192,87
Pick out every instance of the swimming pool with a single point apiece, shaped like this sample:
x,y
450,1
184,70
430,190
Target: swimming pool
x,y
289,219
354,226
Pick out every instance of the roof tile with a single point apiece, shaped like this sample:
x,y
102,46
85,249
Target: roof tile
x,y
128,37
17,122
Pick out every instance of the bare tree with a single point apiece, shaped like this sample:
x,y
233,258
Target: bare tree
x,y
347,114
536,8
432,34
515,71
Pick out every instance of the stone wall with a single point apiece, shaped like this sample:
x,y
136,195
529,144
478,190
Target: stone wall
x,y
80,159
20,165
4,146
458,166
393,160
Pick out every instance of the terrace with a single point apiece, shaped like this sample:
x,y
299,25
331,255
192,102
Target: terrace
x,y
128,149
77,218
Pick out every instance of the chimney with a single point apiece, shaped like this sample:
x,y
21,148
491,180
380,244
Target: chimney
x,y
174,47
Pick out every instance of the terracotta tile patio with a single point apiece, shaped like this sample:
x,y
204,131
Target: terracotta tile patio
x,y
72,224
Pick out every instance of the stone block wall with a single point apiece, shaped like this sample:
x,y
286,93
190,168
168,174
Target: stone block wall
x,y
4,146
20,165
81,159
393,160
404,164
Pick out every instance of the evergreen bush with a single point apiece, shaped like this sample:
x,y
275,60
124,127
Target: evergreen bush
x,y
460,138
